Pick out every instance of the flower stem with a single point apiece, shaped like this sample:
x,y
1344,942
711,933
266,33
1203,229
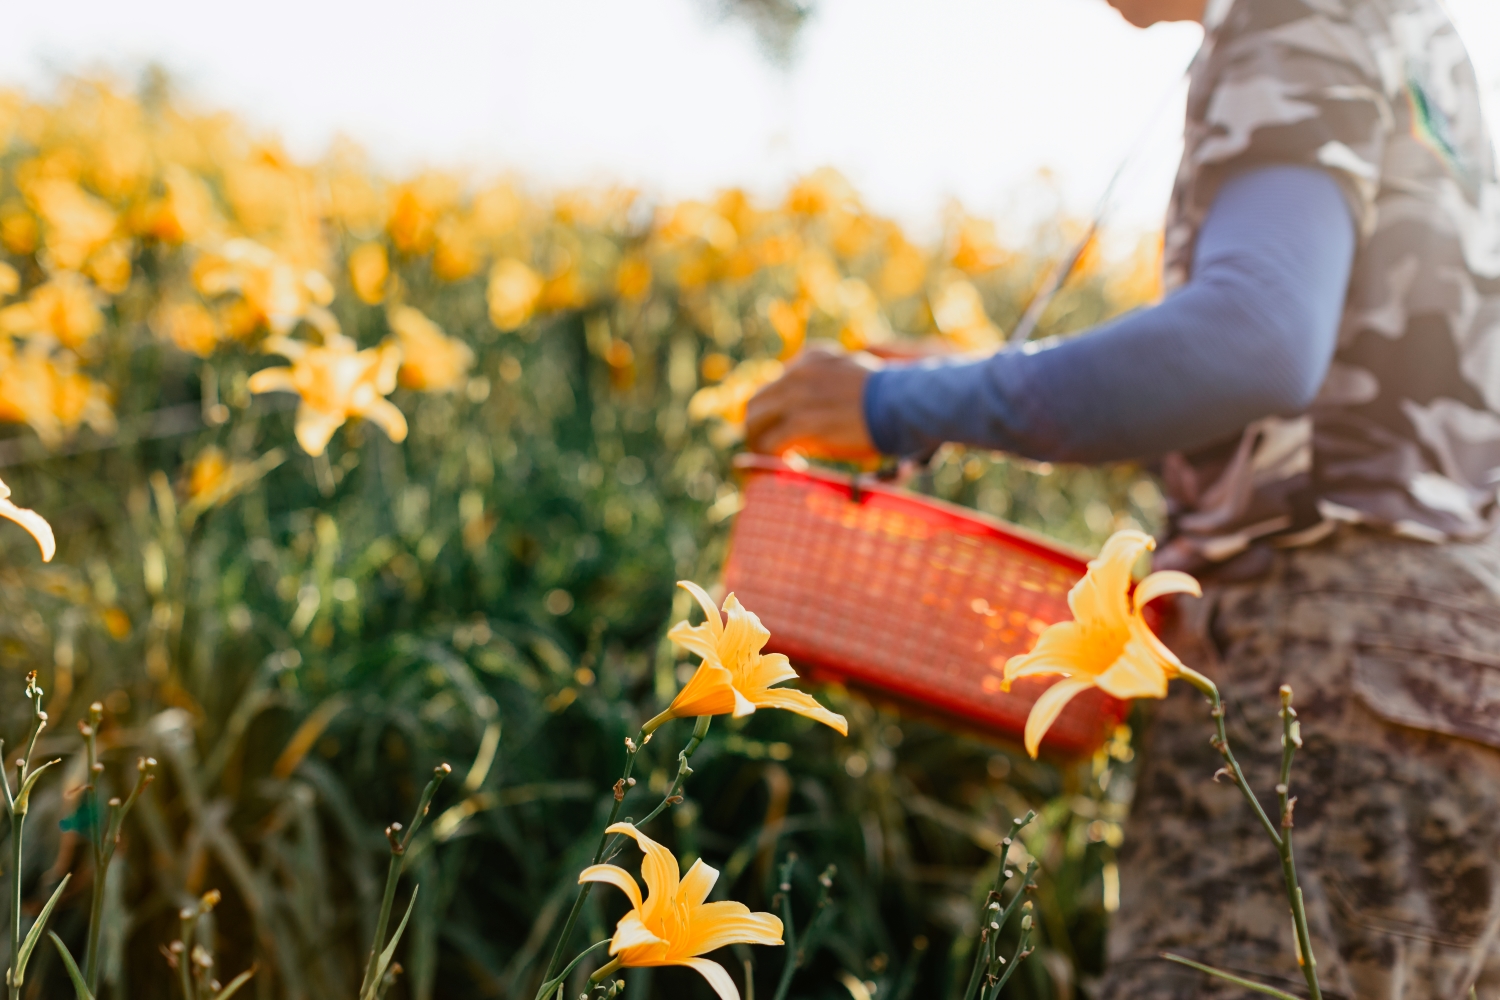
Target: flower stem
x,y
1291,739
398,843
604,970
788,928
1248,984
988,936
673,796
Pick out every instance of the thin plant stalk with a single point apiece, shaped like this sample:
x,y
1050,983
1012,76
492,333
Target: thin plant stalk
x,y
17,803
673,796
399,843
992,918
797,949
1291,740
105,833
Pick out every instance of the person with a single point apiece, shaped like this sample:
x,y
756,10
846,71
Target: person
x,y
1319,391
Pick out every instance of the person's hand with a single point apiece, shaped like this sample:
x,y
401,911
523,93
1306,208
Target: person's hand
x,y
816,408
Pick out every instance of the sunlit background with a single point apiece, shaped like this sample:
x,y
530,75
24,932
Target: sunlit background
x,y
916,103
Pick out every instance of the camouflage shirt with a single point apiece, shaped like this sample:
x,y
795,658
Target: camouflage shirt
x,y
1405,432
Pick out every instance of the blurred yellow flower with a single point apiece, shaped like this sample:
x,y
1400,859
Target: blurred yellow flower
x,y
185,213
823,191
279,293
728,399
10,280
38,527
633,278
959,313
456,254
336,382
209,472
431,361
735,678
513,293
189,325
65,308
904,270
110,266
789,320
18,228
674,924
864,323
368,269
75,223
416,207
49,395
1108,645
973,246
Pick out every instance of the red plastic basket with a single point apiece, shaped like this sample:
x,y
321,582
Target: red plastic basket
x,y
912,598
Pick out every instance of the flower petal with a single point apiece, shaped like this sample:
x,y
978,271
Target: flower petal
x,y
711,691
697,884
1162,583
1099,599
272,380
388,417
615,876
716,976
715,925
698,639
34,523
715,622
1141,632
659,870
1062,648
772,668
631,933
803,704
743,638
315,428
1049,706
1138,673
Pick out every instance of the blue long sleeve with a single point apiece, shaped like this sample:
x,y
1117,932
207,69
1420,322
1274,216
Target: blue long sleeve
x,y
1251,334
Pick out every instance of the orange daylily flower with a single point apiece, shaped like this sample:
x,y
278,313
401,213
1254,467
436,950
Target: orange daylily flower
x,y
1108,645
673,925
336,381
432,361
34,523
735,678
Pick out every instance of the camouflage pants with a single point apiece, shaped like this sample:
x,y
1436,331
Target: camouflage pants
x,y
1393,649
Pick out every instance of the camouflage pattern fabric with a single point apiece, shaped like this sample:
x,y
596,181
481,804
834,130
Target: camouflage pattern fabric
x,y
1405,433
1393,650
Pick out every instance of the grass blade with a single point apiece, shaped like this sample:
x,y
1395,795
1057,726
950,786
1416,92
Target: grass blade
x,y
235,984
1248,984
80,988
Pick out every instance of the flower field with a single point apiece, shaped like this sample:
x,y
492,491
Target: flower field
x,y
352,476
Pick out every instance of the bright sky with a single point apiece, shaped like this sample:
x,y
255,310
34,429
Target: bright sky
x,y
918,101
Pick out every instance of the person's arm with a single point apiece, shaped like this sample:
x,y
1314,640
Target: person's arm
x,y
1250,335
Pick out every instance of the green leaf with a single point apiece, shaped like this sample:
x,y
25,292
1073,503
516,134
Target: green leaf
x,y
390,950
35,934
80,988
23,797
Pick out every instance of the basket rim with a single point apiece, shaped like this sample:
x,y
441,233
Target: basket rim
x,y
862,487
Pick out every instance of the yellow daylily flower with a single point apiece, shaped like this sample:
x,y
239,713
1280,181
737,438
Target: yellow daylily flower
x,y
1108,645
730,397
33,522
336,381
369,267
735,678
513,293
673,925
65,308
432,361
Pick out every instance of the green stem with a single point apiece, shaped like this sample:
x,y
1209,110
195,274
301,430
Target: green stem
x,y
557,981
988,942
1282,839
393,873
788,929
700,730
101,856
17,823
